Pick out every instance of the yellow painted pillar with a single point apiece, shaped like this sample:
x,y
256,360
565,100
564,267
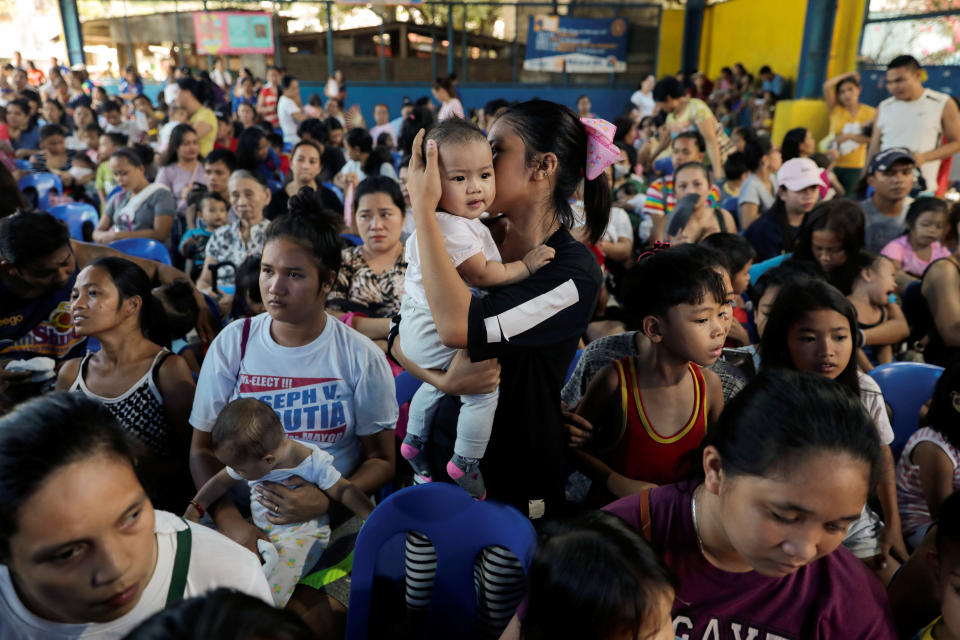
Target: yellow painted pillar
x,y
846,36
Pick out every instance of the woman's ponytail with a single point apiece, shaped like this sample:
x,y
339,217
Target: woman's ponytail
x,y
596,206
156,329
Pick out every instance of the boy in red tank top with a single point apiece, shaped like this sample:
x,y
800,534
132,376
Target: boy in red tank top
x,y
650,410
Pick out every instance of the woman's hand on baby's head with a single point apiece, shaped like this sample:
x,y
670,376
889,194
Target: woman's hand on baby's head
x,y
423,177
538,257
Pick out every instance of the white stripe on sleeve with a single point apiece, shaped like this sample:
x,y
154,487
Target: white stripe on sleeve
x,y
523,317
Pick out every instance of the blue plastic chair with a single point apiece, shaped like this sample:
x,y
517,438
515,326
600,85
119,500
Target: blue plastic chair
x,y
757,270
406,385
459,528
397,157
23,165
76,214
44,183
143,248
664,166
573,365
352,238
906,387
337,191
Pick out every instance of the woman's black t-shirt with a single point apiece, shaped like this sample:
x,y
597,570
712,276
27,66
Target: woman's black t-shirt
x,y
533,327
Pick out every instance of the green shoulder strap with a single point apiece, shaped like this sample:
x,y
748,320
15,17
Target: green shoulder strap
x,y
181,566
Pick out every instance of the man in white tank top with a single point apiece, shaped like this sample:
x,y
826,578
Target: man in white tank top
x,y
923,120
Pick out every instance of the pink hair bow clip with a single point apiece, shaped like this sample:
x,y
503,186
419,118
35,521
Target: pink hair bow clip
x,y
657,248
601,152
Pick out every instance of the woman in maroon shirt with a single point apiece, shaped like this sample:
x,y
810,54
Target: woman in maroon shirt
x,y
755,542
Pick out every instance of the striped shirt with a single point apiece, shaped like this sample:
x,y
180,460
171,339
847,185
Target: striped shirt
x,y
270,102
914,511
661,197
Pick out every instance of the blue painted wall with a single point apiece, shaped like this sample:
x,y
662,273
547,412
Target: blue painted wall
x,y
608,102
946,79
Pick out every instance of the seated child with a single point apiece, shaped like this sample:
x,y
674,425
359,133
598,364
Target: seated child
x,y
91,140
84,171
466,173
181,310
213,215
276,143
247,301
945,565
929,467
178,115
595,576
881,322
735,171
927,224
650,410
707,217
248,437
739,255
105,181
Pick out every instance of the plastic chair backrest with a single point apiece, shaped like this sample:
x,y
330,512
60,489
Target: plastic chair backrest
x,y
352,238
143,248
43,182
459,528
664,166
732,204
757,270
906,386
573,365
406,385
337,191
75,214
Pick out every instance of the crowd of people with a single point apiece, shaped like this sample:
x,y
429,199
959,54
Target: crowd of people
x,y
716,464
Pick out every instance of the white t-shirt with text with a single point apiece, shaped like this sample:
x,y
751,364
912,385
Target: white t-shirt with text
x,y
327,392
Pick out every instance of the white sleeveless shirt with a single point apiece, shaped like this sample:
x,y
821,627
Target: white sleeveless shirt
x,y
916,125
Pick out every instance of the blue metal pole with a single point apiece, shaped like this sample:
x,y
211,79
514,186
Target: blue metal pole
x,y
692,34
516,42
433,51
72,34
383,59
330,68
131,59
815,53
278,55
463,57
449,39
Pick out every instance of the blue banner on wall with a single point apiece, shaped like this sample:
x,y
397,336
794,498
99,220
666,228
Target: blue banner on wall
x,y
582,45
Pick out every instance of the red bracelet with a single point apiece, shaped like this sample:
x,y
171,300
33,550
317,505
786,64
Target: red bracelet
x,y
196,505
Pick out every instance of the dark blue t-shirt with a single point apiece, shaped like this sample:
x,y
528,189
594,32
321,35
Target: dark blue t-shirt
x,y
766,236
41,326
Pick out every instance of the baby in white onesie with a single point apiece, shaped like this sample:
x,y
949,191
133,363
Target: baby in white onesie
x,y
248,437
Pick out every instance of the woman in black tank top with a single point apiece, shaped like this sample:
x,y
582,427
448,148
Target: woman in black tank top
x,y
939,315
